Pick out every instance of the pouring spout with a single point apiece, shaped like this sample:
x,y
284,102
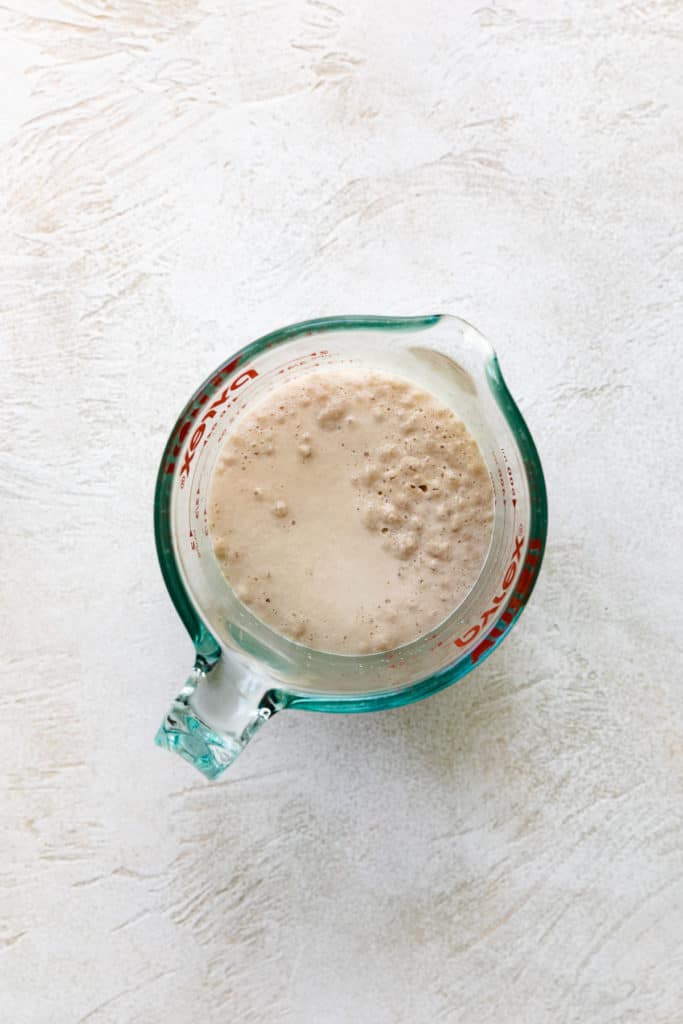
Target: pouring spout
x,y
215,715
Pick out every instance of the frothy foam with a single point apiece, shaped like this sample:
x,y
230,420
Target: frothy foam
x,y
351,512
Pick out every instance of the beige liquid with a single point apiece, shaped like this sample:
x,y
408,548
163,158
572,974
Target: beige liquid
x,y
351,512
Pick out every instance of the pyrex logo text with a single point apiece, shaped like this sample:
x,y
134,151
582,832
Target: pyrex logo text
x,y
523,587
211,412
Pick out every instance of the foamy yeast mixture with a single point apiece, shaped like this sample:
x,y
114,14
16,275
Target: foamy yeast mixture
x,y
350,512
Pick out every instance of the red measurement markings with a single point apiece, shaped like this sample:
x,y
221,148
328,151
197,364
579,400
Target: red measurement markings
x,y
501,480
302,361
512,487
510,477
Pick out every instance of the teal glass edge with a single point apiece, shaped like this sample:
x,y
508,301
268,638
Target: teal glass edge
x,y
208,650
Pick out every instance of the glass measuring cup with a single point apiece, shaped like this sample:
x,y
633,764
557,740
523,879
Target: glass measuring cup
x,y
244,671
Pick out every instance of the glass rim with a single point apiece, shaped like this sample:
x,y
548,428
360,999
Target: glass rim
x,y
207,648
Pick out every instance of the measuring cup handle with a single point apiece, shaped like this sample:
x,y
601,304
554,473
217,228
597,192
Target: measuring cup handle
x,y
215,715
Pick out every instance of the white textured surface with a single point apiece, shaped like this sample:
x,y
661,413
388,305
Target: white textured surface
x,y
176,179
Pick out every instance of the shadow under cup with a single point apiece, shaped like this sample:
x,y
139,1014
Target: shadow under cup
x,y
443,355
